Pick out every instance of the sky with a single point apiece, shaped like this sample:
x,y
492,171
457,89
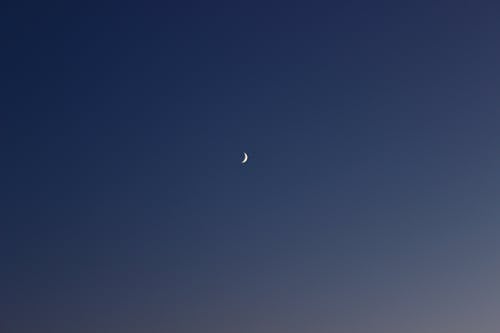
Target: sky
x,y
369,202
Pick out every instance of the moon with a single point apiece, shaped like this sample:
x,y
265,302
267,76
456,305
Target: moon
x,y
245,158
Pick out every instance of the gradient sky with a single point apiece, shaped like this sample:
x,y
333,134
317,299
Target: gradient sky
x,y
370,202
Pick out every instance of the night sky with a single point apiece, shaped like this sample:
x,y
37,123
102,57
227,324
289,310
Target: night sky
x,y
370,202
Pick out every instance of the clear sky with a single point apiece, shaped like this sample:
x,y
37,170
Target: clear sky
x,y
369,203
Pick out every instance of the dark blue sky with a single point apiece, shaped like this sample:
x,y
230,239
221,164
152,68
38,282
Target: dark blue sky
x,y
370,202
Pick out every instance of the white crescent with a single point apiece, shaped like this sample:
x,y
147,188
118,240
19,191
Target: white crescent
x,y
245,158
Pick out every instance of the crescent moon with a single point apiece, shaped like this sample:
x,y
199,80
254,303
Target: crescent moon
x,y
245,158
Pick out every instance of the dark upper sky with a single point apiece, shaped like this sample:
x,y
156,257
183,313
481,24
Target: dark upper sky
x,y
370,202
